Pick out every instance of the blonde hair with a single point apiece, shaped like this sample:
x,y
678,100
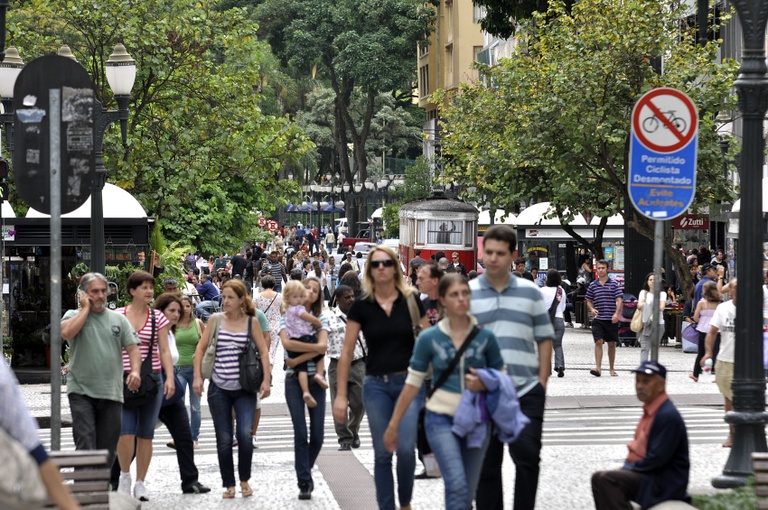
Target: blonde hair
x,y
292,288
368,283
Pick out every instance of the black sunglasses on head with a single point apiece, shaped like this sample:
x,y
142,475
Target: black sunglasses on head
x,y
386,263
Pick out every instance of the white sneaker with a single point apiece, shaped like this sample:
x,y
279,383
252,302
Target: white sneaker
x,y
140,492
124,485
255,442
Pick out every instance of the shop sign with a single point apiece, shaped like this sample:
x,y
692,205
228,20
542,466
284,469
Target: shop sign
x,y
9,233
691,222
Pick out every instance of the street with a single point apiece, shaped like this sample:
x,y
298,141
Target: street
x,y
587,424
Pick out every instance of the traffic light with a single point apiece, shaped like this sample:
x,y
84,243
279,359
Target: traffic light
x,y
3,175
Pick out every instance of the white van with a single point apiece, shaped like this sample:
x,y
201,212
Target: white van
x,y
341,225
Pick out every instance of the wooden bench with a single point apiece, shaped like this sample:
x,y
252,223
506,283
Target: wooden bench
x,y
760,468
87,475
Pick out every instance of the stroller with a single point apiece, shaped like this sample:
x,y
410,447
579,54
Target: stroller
x,y
627,337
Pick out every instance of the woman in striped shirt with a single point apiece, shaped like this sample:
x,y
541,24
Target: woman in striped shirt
x,y
224,391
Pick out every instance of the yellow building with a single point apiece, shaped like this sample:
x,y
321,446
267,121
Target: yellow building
x,y
447,60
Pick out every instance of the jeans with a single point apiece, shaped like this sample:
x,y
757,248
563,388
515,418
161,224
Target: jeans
x,y
186,375
95,423
220,403
380,394
306,447
459,465
525,454
140,421
557,342
349,431
205,309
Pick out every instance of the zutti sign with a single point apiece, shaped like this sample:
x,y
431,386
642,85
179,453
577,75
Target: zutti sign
x,y
691,222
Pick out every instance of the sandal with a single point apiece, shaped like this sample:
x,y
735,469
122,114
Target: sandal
x,y
229,493
246,490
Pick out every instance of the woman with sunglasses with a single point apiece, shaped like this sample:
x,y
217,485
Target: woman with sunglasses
x,y
382,314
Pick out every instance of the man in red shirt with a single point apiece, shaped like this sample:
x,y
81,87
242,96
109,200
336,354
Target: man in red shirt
x,y
657,466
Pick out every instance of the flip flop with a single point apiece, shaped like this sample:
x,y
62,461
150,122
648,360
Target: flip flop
x,y
614,374
595,373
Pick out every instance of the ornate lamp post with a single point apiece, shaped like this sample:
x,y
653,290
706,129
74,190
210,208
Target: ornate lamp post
x,y
748,415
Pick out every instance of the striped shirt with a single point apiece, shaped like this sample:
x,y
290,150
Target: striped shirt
x,y
519,319
603,298
226,367
277,270
145,335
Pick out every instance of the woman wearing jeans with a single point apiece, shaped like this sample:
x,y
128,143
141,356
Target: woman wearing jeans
x,y
382,314
225,392
306,448
188,333
459,464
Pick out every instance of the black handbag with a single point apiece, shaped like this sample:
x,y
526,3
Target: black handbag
x,y
149,381
251,369
421,438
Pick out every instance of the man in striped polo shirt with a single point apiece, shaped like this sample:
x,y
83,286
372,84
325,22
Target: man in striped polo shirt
x,y
604,298
276,269
514,310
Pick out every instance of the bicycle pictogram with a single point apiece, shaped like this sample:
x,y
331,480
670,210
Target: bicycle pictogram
x,y
652,123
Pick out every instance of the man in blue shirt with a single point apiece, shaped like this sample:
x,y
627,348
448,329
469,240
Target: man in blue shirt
x,y
209,295
604,299
708,274
513,308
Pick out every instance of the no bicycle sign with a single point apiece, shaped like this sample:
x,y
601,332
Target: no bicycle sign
x,y
662,153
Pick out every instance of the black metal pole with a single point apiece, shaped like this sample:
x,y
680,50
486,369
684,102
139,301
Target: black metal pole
x,y
748,416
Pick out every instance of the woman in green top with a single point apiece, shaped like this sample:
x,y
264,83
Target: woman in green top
x,y
188,332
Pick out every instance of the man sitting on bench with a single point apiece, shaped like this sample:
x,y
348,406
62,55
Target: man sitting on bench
x,y
657,467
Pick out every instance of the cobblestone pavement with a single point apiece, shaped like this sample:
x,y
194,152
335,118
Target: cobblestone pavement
x,y
587,424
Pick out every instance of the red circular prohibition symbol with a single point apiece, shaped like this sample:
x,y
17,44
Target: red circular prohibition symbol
x,y
645,101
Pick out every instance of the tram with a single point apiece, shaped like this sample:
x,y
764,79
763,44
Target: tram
x,y
439,224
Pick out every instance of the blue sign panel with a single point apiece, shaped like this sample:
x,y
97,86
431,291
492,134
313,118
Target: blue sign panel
x,y
662,154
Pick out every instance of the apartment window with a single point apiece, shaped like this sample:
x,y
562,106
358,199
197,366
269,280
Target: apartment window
x,y
424,81
478,13
424,47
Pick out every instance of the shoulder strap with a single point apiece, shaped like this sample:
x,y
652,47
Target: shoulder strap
x,y
455,361
148,360
270,303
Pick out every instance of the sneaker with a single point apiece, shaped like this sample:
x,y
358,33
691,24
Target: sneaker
x,y
255,442
139,491
124,485
196,445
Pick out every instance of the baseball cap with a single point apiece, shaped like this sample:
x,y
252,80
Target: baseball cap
x,y
705,267
581,280
651,368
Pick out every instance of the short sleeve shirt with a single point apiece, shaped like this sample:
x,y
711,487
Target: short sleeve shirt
x,y
390,338
603,298
145,337
96,359
724,320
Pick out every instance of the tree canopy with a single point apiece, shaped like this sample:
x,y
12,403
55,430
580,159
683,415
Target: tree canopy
x,y
553,120
501,15
201,154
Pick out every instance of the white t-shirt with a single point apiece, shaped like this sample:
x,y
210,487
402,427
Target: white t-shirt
x,y
549,293
724,320
172,346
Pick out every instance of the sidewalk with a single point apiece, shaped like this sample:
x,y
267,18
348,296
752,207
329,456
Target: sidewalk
x,y
344,480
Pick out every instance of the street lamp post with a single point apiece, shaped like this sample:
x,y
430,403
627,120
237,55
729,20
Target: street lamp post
x,y
748,416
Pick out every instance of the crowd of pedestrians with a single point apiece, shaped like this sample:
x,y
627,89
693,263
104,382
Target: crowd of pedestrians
x,y
423,344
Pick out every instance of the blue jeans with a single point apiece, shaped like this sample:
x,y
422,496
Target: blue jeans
x,y
186,375
220,403
459,465
140,421
306,448
380,394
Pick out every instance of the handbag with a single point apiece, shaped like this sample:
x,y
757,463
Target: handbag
x,y
149,383
209,357
423,442
553,306
20,483
251,369
636,324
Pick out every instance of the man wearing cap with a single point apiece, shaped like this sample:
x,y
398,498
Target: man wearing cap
x,y
657,466
708,274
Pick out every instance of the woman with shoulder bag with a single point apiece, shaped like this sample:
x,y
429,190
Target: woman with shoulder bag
x,y
139,422
306,444
555,301
454,347
645,304
383,315
705,309
228,331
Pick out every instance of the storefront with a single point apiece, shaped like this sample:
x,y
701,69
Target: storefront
x,y
544,243
27,265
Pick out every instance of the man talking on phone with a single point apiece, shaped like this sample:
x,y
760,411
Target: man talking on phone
x,y
97,337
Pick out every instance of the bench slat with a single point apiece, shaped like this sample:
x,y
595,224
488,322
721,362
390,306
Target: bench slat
x,y
95,486
86,474
90,487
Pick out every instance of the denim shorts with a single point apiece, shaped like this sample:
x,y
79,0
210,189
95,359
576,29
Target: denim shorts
x,y
140,421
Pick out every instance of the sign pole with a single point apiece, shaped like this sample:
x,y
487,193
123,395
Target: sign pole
x,y
54,101
658,249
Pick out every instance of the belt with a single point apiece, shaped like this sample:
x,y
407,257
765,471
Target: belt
x,y
386,377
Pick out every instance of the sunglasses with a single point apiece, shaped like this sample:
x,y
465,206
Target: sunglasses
x,y
386,263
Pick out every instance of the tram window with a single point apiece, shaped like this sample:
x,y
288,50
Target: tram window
x,y
420,234
469,235
445,232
